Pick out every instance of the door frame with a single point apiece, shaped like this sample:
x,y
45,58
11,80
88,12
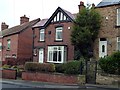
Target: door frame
x,y
41,61
102,41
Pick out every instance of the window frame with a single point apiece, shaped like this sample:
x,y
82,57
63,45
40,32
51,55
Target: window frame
x,y
51,50
8,44
0,46
117,43
59,30
118,16
42,31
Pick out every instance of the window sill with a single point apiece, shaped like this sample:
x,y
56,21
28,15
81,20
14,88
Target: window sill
x,y
58,40
41,41
53,62
7,49
117,26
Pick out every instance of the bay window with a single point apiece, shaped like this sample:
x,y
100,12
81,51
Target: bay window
x,y
56,54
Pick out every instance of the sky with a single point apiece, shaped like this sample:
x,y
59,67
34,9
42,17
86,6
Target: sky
x,y
12,10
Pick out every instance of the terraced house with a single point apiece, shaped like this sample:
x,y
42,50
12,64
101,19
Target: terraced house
x,y
108,40
16,42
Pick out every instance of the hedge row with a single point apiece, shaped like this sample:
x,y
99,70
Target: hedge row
x,y
37,67
111,64
74,67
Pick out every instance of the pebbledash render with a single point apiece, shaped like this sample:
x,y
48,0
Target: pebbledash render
x,y
52,36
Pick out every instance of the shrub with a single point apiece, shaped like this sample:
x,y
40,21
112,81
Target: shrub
x,y
60,68
74,67
111,64
6,66
38,67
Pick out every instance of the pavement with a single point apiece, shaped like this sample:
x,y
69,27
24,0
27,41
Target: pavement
x,y
36,84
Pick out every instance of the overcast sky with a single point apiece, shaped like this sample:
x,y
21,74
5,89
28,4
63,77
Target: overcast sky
x,y
12,10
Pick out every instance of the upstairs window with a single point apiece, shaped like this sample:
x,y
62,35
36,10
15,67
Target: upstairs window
x,y
8,44
118,17
0,46
42,34
59,31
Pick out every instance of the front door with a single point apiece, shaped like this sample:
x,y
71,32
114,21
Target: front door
x,y
102,47
41,55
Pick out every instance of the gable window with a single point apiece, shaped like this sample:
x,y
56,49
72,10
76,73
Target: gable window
x,y
0,46
56,54
42,34
8,44
118,17
118,43
59,31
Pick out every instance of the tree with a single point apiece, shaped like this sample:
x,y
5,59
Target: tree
x,y
85,31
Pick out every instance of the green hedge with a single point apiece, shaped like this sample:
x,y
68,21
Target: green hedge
x,y
111,64
38,67
73,67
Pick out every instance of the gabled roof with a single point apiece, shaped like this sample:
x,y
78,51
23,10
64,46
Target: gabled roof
x,y
19,28
45,22
104,3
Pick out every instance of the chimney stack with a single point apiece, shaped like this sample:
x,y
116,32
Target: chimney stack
x,y
24,19
81,6
4,26
93,5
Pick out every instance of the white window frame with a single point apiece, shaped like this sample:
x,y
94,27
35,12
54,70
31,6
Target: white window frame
x,y
118,17
59,30
8,44
0,46
118,41
51,50
42,31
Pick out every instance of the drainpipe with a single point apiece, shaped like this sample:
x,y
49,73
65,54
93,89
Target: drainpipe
x,y
33,42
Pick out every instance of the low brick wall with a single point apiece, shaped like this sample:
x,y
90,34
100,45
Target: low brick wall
x,y
9,74
55,78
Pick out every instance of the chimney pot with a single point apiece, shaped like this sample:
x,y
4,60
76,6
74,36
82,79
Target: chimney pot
x,y
24,19
4,26
81,6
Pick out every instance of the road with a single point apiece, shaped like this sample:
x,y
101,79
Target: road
x,y
45,86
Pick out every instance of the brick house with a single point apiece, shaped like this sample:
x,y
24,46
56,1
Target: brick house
x,y
16,42
108,40
52,38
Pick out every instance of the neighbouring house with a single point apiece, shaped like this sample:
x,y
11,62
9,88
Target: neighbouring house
x,y
108,40
17,42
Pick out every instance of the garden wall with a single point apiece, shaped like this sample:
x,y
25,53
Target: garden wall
x,y
55,78
9,74
108,79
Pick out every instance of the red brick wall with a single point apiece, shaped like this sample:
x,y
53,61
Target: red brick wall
x,y
25,44
55,78
1,50
50,39
13,46
9,74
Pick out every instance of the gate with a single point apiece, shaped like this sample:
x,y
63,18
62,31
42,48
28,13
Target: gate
x,y
91,70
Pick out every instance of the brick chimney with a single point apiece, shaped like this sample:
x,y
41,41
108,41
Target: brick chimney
x,y
93,5
4,26
24,19
81,6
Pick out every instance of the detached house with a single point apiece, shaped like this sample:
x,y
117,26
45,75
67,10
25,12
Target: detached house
x,y
16,42
108,40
